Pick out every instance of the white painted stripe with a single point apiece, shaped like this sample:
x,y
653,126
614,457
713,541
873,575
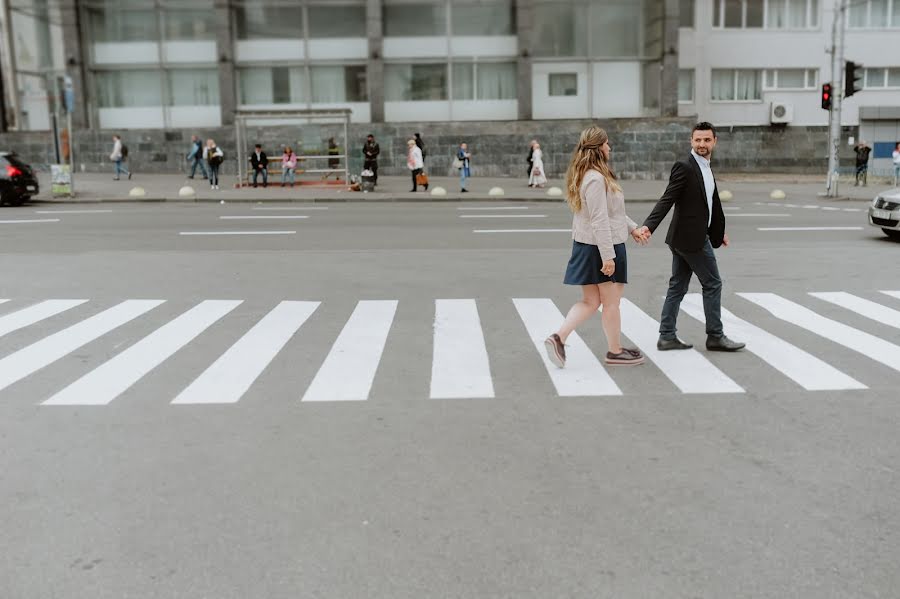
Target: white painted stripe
x,y
502,216
266,217
522,230
237,233
229,377
809,229
732,207
779,215
688,369
17,366
852,209
869,345
492,207
3,301
36,313
583,375
460,366
29,220
113,377
811,207
71,211
290,208
349,368
863,307
892,293
803,368
787,205
830,208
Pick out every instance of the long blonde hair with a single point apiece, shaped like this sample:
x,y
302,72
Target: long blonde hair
x,y
588,156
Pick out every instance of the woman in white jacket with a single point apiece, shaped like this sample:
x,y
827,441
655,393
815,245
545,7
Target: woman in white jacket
x,y
414,161
538,177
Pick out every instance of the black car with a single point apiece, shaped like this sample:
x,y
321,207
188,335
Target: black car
x,y
17,180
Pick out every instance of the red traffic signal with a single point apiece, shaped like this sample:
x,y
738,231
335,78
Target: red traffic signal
x,y
826,96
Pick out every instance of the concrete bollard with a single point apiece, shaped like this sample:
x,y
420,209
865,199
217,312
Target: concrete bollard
x,y
726,195
777,194
186,192
555,192
137,192
496,191
438,191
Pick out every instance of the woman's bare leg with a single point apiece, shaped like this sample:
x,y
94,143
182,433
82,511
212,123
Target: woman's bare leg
x,y
581,311
610,295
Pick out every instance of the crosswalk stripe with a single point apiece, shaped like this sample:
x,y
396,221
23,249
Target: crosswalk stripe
x,y
583,375
460,367
36,313
689,370
806,370
109,380
20,364
229,377
349,368
895,294
863,307
869,345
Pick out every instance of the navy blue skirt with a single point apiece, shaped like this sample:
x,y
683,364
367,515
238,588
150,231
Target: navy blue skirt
x,y
585,265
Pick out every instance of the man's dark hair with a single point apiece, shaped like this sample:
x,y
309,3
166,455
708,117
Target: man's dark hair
x,y
704,126
370,135
258,146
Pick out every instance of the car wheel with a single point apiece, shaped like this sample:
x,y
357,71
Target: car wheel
x,y
893,234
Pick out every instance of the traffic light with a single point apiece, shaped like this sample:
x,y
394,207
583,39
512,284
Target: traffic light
x,y
826,96
853,78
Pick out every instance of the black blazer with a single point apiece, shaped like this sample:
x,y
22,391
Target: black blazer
x,y
263,161
687,193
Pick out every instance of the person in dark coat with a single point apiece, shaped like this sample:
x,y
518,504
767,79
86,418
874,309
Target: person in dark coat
x,y
421,145
371,150
259,162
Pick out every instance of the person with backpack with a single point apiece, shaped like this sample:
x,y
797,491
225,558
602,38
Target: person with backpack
x,y
195,157
119,154
214,156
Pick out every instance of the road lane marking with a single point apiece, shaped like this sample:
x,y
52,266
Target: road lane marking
x,y
803,368
460,367
492,207
852,209
868,345
892,293
72,211
863,307
36,313
583,375
521,230
29,220
809,228
115,376
290,208
20,364
349,368
237,233
229,377
266,217
779,215
502,216
688,369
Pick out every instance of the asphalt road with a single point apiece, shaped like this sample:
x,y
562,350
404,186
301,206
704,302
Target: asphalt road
x,y
304,413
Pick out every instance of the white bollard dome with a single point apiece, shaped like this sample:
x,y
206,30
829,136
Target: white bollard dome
x,y
137,192
726,195
496,191
186,192
777,194
438,191
554,192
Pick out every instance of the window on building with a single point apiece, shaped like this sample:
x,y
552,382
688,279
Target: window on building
x,y
131,88
771,14
338,83
615,29
339,20
187,25
255,20
272,85
686,13
411,20
875,78
686,85
108,24
893,77
791,78
484,81
193,87
876,14
493,17
415,82
563,84
560,28
736,85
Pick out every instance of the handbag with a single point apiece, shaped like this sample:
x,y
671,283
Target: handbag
x,y
422,178
536,171
457,163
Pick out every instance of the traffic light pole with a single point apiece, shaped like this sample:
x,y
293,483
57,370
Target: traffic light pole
x,y
837,89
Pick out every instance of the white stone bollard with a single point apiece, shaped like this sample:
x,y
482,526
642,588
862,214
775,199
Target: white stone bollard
x,y
496,191
186,192
438,191
137,192
777,194
555,192
726,195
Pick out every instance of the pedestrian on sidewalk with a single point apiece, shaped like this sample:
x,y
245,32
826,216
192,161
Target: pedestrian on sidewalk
x,y
118,156
462,159
530,159
862,150
697,227
538,177
288,165
414,162
259,162
598,263
214,157
896,156
371,150
421,145
195,157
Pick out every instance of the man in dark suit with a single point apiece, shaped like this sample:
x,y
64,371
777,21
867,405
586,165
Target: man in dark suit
x,y
260,164
698,226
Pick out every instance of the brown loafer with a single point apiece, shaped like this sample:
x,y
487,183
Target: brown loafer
x,y
556,350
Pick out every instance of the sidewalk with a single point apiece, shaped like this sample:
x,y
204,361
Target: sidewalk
x,y
100,187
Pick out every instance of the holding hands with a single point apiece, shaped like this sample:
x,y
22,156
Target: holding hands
x,y
641,235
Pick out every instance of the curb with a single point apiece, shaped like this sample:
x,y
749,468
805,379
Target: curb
x,y
317,200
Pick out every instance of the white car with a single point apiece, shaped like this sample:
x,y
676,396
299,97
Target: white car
x,y
885,213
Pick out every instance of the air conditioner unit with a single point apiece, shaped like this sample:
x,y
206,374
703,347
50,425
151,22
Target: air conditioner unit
x,y
781,113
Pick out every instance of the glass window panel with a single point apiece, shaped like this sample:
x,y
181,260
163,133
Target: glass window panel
x,y
893,77
770,78
875,77
189,25
754,13
128,89
858,14
276,85
748,85
111,25
686,85
337,21
616,28
425,19
895,14
734,13
463,81
338,83
686,13
797,14
813,13
497,81
722,84
198,87
812,78
563,84
560,29
717,13
484,18
791,78
415,82
259,21
776,17
878,17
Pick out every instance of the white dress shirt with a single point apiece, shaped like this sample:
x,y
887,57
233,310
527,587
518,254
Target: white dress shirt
x,y
708,181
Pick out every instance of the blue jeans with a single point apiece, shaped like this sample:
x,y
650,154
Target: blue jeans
x,y
462,178
198,162
896,174
287,172
685,264
120,169
213,174
265,175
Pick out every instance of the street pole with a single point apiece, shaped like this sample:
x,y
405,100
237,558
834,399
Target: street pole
x,y
837,95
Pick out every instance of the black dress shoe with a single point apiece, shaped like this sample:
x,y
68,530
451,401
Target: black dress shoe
x,y
676,343
723,343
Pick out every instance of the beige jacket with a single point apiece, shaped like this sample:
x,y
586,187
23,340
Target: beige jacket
x,y
602,220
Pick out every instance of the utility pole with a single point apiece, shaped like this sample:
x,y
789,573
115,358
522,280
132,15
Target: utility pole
x,y
837,86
